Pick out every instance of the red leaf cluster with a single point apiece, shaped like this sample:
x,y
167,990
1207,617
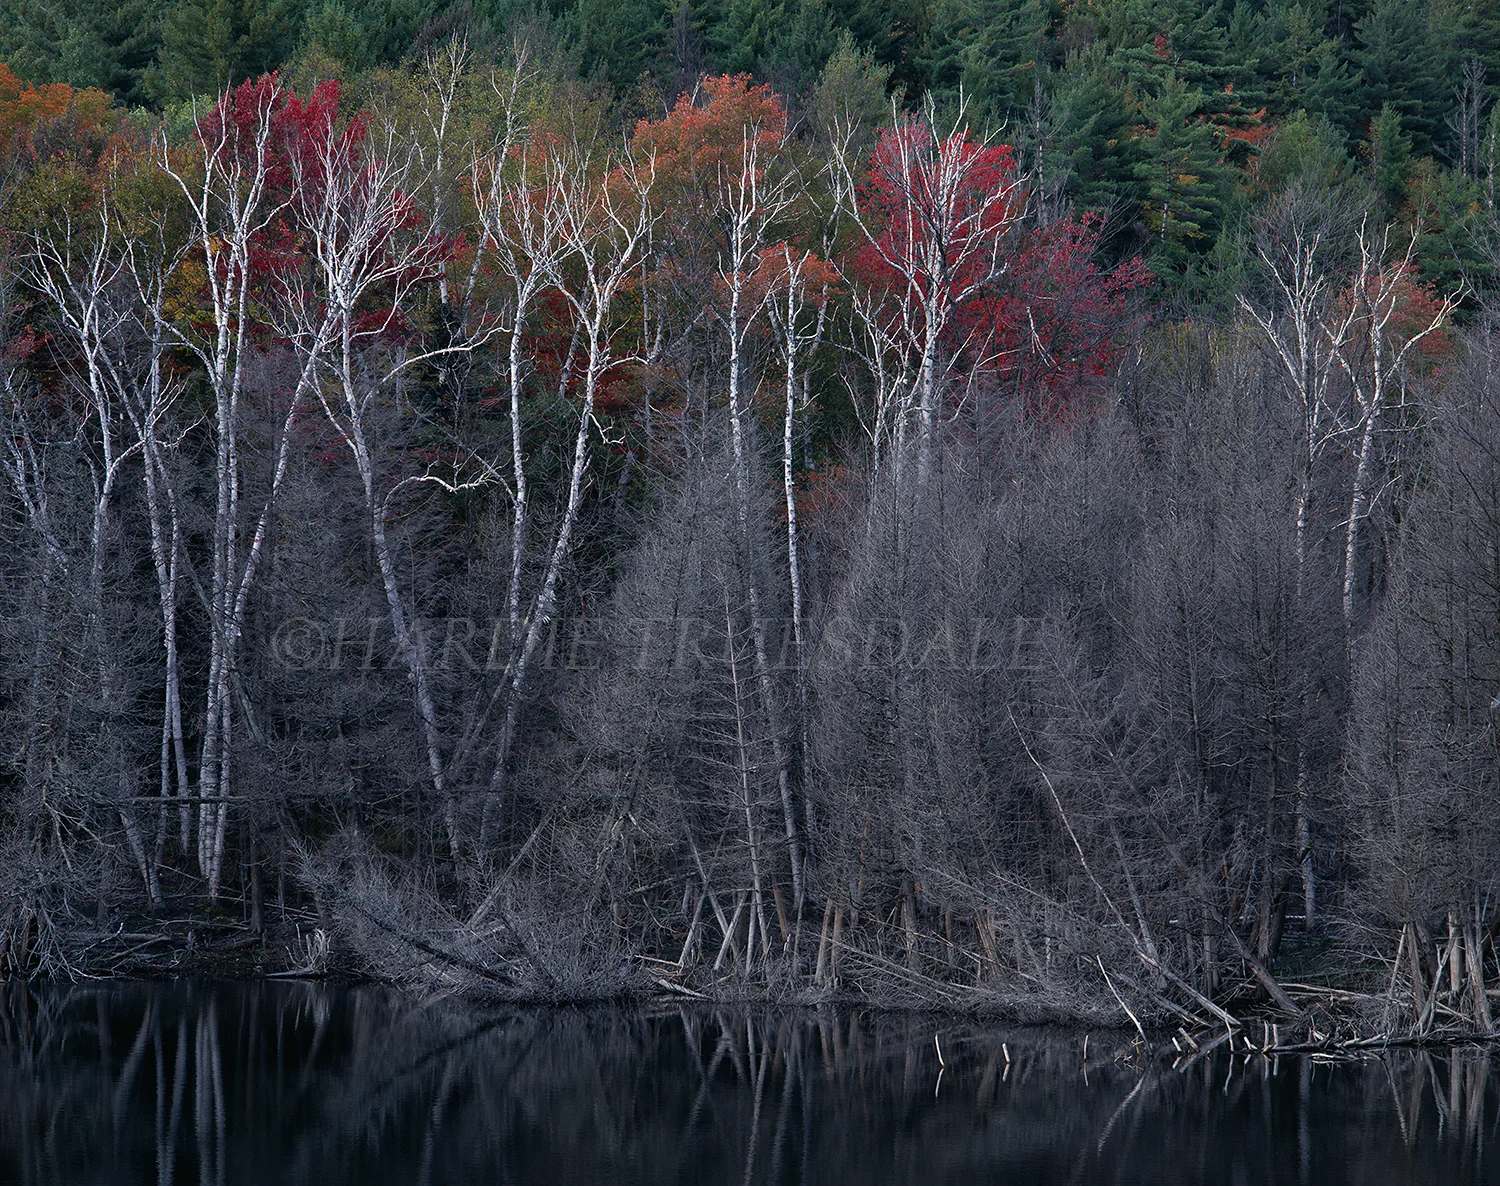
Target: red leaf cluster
x,y
1025,304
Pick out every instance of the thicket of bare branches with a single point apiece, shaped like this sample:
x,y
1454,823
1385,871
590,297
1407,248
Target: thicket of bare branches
x,y
550,564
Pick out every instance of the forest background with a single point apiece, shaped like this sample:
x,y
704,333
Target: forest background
x,y
989,504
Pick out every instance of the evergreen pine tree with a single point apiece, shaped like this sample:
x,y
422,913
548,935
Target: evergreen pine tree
x,y
338,33
801,44
1301,66
899,33
1183,178
1399,64
392,28
741,35
1006,55
84,44
1389,154
197,51
618,39
207,45
850,93
1094,123
1307,150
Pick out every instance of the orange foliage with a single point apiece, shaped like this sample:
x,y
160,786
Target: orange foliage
x,y
1416,306
26,109
1243,140
1255,131
781,265
702,139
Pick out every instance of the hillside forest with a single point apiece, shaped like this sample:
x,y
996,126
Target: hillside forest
x,y
985,503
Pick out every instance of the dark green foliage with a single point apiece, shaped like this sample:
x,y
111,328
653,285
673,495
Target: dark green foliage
x,y
1455,217
897,32
391,28
1302,66
82,43
1308,150
802,41
1185,184
998,50
338,33
850,92
1094,122
615,39
207,45
1389,155
1399,64
742,34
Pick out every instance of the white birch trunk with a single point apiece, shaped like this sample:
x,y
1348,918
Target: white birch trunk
x,y
601,231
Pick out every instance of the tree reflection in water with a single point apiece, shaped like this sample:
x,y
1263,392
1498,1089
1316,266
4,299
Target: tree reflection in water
x,y
305,1083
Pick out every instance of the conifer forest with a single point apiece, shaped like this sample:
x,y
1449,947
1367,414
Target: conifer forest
x,y
985,504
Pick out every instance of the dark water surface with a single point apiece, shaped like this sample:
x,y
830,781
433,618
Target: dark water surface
x,y
306,1084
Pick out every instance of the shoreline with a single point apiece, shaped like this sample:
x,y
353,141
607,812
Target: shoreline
x,y
1336,1021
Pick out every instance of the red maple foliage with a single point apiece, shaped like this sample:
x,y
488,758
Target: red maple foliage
x,y
1056,326
943,209
1020,303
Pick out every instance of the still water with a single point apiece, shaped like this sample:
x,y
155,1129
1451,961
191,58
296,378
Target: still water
x,y
306,1084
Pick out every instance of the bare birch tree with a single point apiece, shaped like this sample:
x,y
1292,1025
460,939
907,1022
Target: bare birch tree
x,y
798,279
225,182
943,240
1391,322
748,201
80,272
1307,331
368,248
520,209
150,391
604,221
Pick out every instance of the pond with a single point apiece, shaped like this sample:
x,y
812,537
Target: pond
x,y
293,1083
